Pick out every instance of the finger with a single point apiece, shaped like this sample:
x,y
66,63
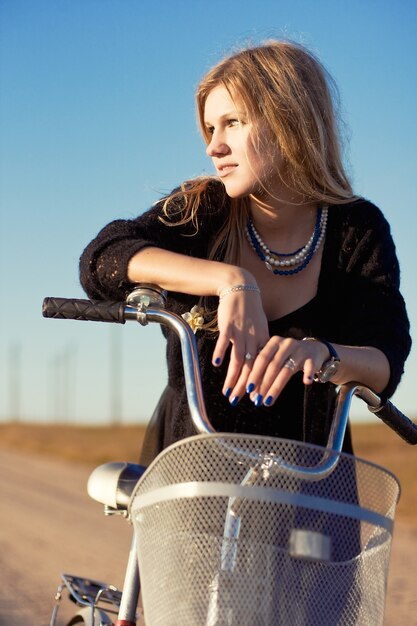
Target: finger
x,y
288,370
263,361
232,376
272,393
309,372
267,365
220,349
240,386
237,373
286,367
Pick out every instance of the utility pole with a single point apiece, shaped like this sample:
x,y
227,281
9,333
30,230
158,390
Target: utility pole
x,y
115,372
63,384
56,379
15,381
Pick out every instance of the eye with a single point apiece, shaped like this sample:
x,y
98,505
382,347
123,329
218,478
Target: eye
x,y
234,122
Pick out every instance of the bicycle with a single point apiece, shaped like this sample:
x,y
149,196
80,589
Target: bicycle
x,y
235,530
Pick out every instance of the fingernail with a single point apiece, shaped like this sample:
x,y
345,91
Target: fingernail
x,y
250,388
268,400
234,400
258,400
228,392
217,361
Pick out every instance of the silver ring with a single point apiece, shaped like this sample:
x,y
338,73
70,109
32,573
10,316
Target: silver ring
x,y
249,356
290,364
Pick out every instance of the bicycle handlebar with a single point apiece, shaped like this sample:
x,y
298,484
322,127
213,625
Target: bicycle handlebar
x,y
142,312
139,308
395,419
85,310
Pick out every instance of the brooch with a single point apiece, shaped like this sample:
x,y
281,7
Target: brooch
x,y
194,318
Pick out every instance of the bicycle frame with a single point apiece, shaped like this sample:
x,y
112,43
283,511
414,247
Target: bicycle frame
x,y
146,305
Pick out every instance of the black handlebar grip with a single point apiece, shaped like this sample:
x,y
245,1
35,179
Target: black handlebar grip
x,y
399,422
86,310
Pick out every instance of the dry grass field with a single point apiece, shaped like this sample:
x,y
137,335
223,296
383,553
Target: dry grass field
x,y
93,445
78,449
90,445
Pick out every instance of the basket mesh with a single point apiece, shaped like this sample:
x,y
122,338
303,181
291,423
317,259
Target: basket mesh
x,y
228,537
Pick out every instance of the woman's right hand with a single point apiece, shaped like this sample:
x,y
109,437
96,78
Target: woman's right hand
x,y
241,318
242,322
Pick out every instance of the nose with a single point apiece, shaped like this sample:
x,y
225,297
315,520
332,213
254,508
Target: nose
x,y
217,146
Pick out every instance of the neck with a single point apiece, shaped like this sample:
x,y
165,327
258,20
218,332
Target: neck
x,y
282,218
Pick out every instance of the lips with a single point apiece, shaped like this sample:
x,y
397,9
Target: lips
x,y
226,169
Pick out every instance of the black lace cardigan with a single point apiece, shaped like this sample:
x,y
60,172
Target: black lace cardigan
x,y
358,303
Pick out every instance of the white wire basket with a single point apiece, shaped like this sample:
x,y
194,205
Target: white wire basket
x,y
237,530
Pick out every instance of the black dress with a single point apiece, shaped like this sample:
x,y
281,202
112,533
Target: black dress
x,y
358,302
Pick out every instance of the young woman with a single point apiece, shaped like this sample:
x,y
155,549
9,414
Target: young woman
x,y
290,281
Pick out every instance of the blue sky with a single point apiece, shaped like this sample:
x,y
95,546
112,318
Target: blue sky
x,y
97,121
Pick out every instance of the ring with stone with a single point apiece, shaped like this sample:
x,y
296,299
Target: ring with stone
x,y
290,364
249,356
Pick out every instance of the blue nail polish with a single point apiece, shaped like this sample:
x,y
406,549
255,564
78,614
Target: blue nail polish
x,y
218,361
234,400
250,388
268,400
228,392
258,400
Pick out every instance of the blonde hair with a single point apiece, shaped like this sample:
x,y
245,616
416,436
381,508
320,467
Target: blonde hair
x,y
288,89
284,86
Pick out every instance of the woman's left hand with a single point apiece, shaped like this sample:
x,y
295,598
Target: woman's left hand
x,y
278,361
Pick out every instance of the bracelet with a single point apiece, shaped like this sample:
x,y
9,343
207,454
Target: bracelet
x,y
332,351
228,290
330,367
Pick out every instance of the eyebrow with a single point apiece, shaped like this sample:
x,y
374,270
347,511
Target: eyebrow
x,y
225,116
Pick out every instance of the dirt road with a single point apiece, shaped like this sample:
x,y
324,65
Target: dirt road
x,y
48,525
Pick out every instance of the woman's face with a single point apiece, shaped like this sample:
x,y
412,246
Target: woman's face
x,y
243,169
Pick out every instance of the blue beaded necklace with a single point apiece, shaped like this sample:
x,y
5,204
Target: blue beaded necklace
x,y
300,258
